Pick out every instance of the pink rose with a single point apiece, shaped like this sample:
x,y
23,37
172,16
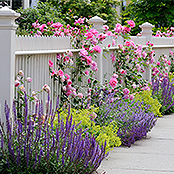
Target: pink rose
x,y
120,46
113,82
113,42
171,53
68,93
168,62
87,72
60,73
158,63
28,79
22,88
115,76
109,33
101,36
67,76
94,31
122,71
69,82
17,83
131,97
68,88
89,59
89,35
161,74
53,72
127,43
154,74
97,48
46,88
83,53
94,66
113,57
105,27
51,63
127,29
21,73
58,56
126,91
131,23
80,95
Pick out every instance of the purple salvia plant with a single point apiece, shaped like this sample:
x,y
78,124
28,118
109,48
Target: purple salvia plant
x,y
37,145
163,89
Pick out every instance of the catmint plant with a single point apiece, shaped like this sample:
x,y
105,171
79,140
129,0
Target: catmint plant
x,y
34,145
133,119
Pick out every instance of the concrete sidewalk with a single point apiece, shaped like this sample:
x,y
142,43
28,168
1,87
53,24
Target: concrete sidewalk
x,y
153,155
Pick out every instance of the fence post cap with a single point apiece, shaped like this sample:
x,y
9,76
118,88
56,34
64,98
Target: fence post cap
x,y
146,25
7,19
6,11
97,23
96,19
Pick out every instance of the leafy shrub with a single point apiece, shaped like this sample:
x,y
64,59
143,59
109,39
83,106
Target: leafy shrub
x,y
163,17
44,12
163,90
34,145
70,10
146,97
86,118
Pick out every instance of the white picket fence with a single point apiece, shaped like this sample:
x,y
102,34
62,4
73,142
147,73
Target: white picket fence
x,y
33,59
31,54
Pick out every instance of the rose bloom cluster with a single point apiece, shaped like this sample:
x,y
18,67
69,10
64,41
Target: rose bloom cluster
x,y
113,83
161,67
19,82
89,40
168,33
65,79
130,58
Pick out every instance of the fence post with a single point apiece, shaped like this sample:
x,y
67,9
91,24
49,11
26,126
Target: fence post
x,y
7,57
147,32
97,23
26,4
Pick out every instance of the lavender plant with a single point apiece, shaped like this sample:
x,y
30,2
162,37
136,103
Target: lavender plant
x,y
34,145
133,118
163,90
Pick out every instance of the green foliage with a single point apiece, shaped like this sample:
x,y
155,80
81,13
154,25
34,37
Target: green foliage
x,y
146,98
161,29
84,8
101,133
159,13
44,12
